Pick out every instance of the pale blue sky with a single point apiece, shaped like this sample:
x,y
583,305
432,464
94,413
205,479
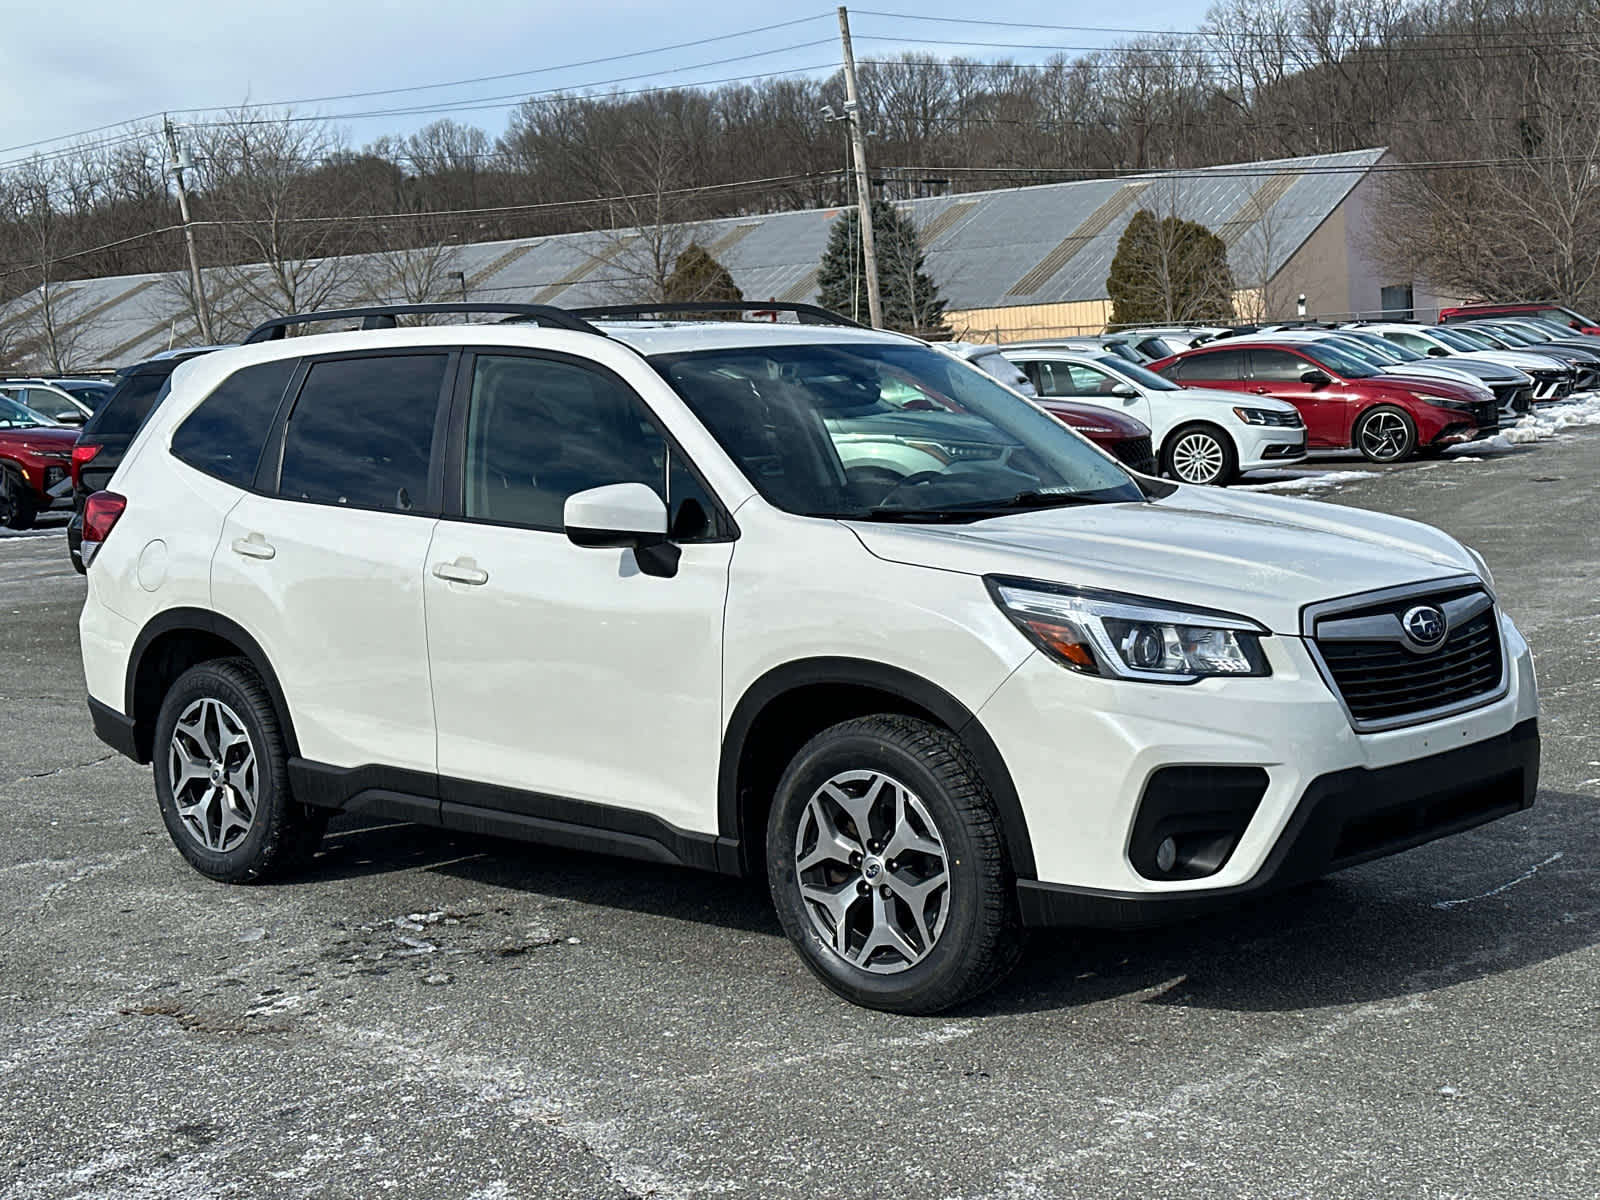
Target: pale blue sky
x,y
99,62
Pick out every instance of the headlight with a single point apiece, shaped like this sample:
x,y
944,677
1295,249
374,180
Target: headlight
x,y
1267,416
1446,401
1131,637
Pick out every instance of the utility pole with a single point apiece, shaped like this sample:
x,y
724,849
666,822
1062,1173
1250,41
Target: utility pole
x,y
858,144
178,164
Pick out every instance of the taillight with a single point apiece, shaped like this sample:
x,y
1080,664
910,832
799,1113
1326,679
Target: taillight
x,y
100,515
81,454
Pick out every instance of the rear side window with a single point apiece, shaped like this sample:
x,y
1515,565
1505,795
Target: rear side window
x,y
361,432
1219,365
1278,366
130,404
223,436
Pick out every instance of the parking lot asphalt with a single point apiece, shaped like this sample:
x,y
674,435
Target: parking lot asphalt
x,y
425,1014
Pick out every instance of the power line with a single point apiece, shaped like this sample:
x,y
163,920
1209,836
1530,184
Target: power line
x,y
451,83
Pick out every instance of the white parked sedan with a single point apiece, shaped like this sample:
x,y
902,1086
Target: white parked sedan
x,y
1202,435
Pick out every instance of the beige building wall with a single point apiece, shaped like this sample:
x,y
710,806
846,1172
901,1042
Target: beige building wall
x,y
1320,270
1019,322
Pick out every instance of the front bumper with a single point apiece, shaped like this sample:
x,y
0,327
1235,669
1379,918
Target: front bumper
x,y
1270,445
1083,751
1343,818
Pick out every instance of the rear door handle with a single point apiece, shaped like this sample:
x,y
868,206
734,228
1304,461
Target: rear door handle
x,y
460,571
254,546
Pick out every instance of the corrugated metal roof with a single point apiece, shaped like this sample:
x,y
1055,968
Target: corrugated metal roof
x,y
1037,245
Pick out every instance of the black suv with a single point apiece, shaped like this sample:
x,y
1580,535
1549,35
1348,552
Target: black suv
x,y
106,435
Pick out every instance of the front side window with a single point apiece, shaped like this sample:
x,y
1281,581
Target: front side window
x,y
540,430
361,432
820,430
224,435
1135,373
1073,379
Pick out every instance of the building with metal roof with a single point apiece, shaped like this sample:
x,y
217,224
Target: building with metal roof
x,y
1012,262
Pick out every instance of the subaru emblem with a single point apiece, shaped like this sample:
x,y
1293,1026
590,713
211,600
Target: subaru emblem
x,y
1425,626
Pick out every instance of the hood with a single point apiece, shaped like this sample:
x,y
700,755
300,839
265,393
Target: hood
x,y
1263,557
1448,389
1077,415
1235,399
41,439
1465,379
1524,360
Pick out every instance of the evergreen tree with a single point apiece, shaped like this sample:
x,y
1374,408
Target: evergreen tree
x,y
1168,269
698,276
911,300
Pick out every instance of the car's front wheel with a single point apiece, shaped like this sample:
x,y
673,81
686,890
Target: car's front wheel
x,y
888,868
17,505
1385,434
1200,454
222,777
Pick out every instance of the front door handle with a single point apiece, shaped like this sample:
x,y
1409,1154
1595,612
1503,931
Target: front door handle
x,y
1259,391
463,570
254,546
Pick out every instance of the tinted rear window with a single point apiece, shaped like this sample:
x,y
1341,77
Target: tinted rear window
x,y
129,404
361,433
223,436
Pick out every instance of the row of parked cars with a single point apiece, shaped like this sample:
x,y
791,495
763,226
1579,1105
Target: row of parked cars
x,y
1392,390
1198,404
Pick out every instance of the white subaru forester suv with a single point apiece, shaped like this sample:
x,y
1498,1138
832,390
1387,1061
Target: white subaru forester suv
x,y
613,587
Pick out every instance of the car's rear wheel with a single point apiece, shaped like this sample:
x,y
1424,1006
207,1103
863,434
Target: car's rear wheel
x,y
1200,454
888,868
1385,434
222,777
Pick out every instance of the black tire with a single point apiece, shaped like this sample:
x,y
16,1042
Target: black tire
x,y
979,938
1431,451
1385,434
17,505
282,835
1201,454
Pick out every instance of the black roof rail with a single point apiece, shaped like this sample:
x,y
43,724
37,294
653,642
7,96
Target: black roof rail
x,y
382,316
806,314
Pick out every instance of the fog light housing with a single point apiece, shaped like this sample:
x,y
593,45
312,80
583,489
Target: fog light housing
x,y
1190,819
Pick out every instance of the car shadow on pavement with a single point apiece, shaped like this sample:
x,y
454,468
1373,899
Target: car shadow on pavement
x,y
360,847
1441,915
1437,916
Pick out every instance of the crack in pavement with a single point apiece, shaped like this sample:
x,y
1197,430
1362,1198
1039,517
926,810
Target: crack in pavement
x,y
93,762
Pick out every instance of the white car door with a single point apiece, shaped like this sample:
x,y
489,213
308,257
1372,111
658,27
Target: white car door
x,y
325,571
569,685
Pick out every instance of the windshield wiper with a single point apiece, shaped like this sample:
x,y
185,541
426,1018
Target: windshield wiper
x,y
979,509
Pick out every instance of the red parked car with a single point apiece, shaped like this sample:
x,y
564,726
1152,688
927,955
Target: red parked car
x,y
35,455
1550,312
1125,438
1344,401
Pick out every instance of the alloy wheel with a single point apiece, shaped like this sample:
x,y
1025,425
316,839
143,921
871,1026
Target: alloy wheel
x,y
1384,436
1197,458
872,871
215,780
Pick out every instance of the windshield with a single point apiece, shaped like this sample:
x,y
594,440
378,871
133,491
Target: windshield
x,y
1508,334
14,415
1148,380
1337,359
886,432
1387,351
1550,329
1457,340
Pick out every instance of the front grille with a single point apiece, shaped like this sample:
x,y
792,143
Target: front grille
x,y
1136,453
1383,680
1487,415
53,476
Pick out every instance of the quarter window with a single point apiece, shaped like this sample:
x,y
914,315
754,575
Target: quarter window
x,y
361,432
223,436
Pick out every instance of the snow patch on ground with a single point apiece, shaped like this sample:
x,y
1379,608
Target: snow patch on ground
x,y
1548,421
1300,481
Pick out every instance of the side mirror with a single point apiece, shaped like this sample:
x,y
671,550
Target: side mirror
x,y
1126,390
1316,378
626,516
71,417
1438,352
